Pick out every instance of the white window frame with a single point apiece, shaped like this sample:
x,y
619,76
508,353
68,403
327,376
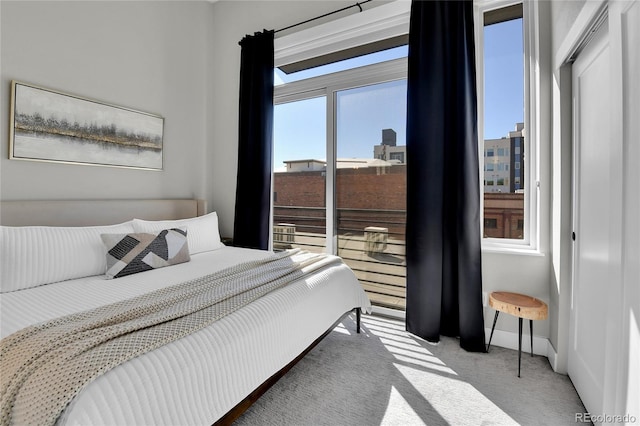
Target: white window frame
x,y
329,85
389,20
530,244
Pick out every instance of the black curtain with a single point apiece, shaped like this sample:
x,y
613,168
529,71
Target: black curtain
x,y
253,189
444,281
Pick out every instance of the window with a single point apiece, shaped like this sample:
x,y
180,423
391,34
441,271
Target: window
x,y
491,223
503,40
299,182
397,156
363,172
502,54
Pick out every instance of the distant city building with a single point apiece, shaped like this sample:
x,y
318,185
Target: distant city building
x,y
388,150
504,162
309,165
312,165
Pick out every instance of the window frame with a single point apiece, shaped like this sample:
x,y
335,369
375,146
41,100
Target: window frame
x,y
327,85
531,50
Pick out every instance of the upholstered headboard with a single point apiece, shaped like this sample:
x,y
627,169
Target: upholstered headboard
x,y
96,212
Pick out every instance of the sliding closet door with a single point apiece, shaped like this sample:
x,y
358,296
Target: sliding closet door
x,y
604,326
592,246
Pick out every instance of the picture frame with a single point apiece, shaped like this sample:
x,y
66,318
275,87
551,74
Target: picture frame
x,y
52,126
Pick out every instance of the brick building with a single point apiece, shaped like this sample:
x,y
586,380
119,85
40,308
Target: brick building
x,y
374,196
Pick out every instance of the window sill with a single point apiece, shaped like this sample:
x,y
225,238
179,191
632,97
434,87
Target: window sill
x,y
511,249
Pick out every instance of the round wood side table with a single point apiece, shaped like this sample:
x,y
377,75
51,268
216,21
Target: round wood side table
x,y
521,306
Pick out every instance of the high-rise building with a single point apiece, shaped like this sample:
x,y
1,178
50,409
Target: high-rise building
x,y
388,150
504,162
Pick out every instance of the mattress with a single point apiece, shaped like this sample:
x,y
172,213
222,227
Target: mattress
x,y
197,379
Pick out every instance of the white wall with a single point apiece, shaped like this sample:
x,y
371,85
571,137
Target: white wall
x,y
564,14
148,56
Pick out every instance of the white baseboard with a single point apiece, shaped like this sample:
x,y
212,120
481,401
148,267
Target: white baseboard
x,y
504,339
552,355
387,312
509,340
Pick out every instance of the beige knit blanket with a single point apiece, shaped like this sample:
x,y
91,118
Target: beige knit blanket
x,y
42,367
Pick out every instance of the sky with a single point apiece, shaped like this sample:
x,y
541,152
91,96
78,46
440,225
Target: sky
x,y
362,113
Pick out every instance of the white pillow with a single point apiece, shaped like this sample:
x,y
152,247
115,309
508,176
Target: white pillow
x,y
202,231
36,255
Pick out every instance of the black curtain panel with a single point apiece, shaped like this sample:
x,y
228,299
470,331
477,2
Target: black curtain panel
x,y
253,189
444,281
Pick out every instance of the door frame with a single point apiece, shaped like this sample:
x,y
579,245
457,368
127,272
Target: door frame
x,y
599,40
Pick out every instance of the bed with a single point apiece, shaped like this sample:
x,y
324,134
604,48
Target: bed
x,y
209,376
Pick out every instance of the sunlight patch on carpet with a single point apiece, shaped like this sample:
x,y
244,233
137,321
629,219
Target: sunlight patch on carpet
x,y
399,411
443,393
340,328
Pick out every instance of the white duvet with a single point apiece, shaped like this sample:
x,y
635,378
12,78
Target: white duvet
x,y
197,379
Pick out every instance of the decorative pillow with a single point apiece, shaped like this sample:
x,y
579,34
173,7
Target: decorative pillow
x,y
36,255
132,253
203,230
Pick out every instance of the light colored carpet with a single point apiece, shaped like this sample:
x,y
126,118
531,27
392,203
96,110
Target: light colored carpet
x,y
386,376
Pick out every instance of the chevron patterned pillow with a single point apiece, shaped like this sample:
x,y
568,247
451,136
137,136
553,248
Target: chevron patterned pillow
x,y
132,253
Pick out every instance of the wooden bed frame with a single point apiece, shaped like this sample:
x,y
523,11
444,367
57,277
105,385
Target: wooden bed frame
x,y
108,212
244,405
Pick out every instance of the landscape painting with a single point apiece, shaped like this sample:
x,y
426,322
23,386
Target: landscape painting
x,y
51,126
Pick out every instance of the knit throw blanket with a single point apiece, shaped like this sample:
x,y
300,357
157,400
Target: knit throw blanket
x,y
42,367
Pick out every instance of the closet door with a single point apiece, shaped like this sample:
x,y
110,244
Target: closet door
x,y
592,180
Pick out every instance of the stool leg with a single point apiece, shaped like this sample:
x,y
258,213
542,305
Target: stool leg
x,y
495,319
531,333
519,343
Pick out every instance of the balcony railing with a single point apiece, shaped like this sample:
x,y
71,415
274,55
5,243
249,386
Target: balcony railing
x,y
381,265
371,242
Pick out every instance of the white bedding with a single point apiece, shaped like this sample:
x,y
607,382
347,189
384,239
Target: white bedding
x,y
197,379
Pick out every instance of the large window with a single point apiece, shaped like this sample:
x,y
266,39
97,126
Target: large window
x,y
507,88
339,132
356,176
370,188
504,131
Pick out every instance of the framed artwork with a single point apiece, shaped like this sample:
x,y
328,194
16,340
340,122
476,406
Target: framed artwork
x,y
47,125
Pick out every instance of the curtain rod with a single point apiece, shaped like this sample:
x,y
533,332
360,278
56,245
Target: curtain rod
x,y
358,5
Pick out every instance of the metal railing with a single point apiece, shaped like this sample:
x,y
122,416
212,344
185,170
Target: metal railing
x,y
376,256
